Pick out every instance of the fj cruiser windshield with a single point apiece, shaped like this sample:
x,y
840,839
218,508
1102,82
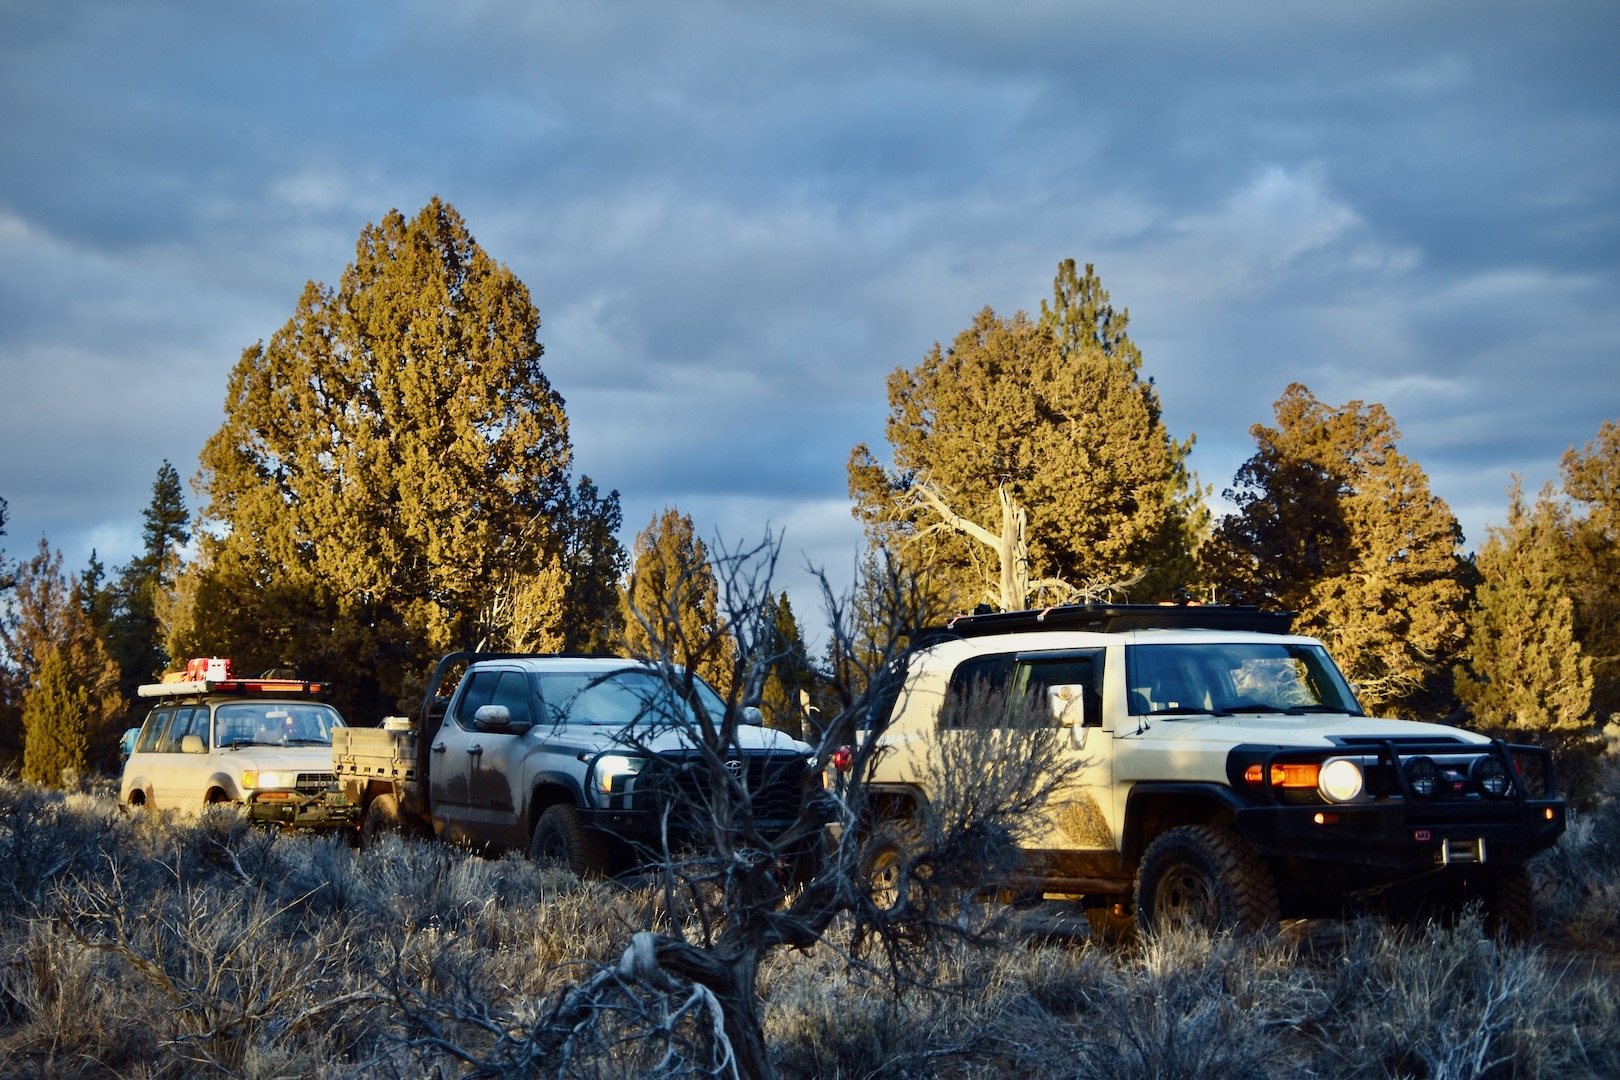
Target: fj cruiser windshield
x,y
1223,679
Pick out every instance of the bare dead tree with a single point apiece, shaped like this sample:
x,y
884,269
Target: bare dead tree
x,y
744,889
1011,548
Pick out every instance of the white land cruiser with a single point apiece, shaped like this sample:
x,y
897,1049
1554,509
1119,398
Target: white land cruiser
x,y
1227,774
214,738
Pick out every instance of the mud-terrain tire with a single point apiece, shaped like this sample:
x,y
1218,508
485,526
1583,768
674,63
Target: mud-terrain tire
x,y
883,859
382,817
1510,904
1206,876
561,837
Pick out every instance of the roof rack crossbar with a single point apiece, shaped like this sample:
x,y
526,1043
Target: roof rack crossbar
x,y
1118,618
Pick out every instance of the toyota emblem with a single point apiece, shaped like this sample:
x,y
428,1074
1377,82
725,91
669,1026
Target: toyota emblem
x,y
735,768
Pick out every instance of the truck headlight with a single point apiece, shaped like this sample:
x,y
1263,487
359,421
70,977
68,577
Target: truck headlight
x,y
1340,780
613,772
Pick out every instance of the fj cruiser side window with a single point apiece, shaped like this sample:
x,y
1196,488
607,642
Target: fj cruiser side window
x,y
975,683
1037,673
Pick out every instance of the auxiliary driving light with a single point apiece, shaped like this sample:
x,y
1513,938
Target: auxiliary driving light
x,y
1491,777
1423,775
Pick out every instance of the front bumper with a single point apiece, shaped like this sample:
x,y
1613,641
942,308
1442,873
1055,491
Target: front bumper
x,y
1397,836
301,810
1393,826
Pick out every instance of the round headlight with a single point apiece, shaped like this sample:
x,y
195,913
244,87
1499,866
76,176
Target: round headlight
x,y
1423,776
1491,777
1340,780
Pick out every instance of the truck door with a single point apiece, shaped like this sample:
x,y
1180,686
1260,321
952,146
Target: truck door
x,y
494,802
453,753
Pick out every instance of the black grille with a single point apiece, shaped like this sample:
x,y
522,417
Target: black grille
x,y
688,788
316,781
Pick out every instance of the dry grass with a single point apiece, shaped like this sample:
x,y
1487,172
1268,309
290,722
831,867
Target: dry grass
x,y
155,946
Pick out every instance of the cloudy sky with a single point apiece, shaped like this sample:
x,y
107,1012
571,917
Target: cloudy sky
x,y
736,218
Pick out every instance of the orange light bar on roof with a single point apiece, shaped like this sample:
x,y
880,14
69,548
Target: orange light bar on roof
x,y
1285,776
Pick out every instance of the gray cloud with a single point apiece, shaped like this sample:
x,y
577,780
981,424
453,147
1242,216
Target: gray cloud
x,y
737,219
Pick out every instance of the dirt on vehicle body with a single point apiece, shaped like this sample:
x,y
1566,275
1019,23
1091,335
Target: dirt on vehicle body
x,y
584,760
1226,774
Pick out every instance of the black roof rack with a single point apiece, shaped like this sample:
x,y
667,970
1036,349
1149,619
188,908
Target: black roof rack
x,y
1114,619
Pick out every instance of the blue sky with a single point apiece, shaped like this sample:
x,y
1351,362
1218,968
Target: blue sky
x,y
736,219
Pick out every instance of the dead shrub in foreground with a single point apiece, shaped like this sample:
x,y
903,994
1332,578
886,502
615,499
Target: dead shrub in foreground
x,y
158,946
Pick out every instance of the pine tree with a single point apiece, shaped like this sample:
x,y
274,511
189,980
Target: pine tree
x,y
391,480
1525,675
132,630
594,560
671,601
1333,522
1054,416
57,716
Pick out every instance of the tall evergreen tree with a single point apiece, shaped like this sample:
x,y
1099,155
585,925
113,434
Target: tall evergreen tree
x,y
132,629
595,562
1591,478
1333,522
671,601
1053,415
790,671
57,715
1525,675
46,615
392,474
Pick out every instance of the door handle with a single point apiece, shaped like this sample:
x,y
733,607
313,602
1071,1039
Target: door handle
x,y
474,750
438,748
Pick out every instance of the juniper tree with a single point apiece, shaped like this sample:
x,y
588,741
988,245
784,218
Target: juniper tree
x,y
57,716
392,477
1333,522
1053,414
671,602
47,614
1591,479
1525,675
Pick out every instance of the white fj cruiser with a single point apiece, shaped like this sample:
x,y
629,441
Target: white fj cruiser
x,y
1227,774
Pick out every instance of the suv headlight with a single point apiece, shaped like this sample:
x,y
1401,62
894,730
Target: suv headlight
x,y
267,780
613,772
1340,780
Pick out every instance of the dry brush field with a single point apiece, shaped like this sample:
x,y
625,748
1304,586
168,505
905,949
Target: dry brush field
x,y
148,946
